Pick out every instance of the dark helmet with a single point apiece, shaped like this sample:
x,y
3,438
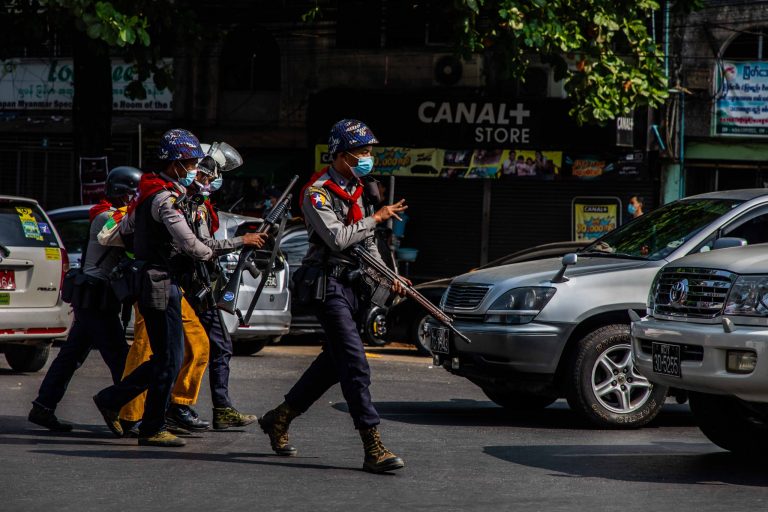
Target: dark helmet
x,y
122,181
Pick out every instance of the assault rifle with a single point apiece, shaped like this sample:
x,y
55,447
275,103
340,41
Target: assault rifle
x,y
203,288
382,278
228,297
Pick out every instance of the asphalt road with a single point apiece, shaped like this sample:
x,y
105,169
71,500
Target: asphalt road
x,y
461,453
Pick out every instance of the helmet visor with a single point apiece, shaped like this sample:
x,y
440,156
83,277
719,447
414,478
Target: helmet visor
x,y
227,157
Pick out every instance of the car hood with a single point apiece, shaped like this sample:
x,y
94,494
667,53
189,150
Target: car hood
x,y
751,259
540,272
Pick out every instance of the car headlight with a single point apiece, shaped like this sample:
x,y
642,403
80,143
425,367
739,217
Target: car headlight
x,y
748,297
519,305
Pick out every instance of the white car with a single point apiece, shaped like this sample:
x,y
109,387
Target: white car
x,y
33,262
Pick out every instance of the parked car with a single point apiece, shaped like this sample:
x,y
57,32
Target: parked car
x,y
406,320
546,329
706,333
33,262
271,317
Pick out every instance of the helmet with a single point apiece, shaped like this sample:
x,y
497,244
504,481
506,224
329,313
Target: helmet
x,y
219,157
122,181
178,144
348,134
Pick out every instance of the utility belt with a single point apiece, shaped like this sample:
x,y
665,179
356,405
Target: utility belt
x,y
90,292
144,282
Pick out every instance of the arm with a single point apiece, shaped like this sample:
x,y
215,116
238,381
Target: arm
x,y
184,238
217,246
316,206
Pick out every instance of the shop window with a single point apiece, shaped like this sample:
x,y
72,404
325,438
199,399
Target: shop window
x,y
751,45
250,61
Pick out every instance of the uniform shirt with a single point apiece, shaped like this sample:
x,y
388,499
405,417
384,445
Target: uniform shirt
x,y
205,235
95,251
322,220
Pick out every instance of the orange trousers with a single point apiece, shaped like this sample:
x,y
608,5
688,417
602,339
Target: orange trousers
x,y
196,350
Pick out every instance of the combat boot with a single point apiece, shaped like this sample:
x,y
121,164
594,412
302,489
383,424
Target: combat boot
x,y
225,417
275,424
377,458
163,439
45,417
111,417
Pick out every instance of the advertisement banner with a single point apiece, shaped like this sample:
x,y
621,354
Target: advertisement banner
x,y
42,84
743,107
93,176
594,217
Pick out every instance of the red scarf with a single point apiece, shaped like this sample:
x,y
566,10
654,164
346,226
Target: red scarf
x,y
213,214
149,185
355,213
96,209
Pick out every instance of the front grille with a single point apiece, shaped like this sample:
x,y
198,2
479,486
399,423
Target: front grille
x,y
687,352
465,296
691,292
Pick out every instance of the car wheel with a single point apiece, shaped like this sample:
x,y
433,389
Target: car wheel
x,y
248,347
417,335
515,400
27,358
375,327
604,385
730,423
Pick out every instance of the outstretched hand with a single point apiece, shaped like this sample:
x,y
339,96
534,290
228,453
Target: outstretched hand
x,y
386,212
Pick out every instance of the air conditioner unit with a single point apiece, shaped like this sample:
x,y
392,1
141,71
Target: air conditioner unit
x,y
451,71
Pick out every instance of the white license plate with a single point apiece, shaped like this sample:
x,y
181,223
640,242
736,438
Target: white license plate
x,y
666,359
271,281
439,340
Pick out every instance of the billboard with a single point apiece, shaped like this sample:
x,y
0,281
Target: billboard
x,y
742,109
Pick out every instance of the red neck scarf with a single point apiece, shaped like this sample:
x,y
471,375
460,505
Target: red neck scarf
x,y
213,214
96,209
149,185
355,213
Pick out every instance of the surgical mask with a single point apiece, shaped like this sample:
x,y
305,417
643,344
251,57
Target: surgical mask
x,y
364,165
632,209
216,184
189,178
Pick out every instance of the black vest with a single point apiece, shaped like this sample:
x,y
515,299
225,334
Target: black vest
x,y
151,242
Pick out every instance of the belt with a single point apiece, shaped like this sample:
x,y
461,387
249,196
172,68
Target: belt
x,y
338,271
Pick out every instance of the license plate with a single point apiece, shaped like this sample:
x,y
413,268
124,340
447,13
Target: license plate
x,y
7,280
666,359
271,281
439,340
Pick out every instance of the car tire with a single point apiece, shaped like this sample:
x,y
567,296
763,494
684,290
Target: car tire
x,y
603,385
730,423
515,400
375,327
27,358
417,336
249,347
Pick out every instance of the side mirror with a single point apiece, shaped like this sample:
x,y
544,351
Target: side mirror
x,y
727,241
569,259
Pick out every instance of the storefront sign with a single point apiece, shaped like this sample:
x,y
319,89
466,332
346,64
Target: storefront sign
x,y
595,216
625,131
32,84
93,175
743,107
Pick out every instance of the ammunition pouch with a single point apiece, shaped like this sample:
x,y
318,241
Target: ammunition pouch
x,y
125,280
308,284
155,288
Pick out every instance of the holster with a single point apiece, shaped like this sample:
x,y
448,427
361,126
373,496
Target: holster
x,y
126,280
308,284
155,289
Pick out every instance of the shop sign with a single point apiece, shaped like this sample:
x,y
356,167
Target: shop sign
x,y
593,217
35,84
93,176
625,131
742,108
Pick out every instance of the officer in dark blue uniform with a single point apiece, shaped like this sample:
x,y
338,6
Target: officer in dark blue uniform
x,y
338,216
96,309
163,241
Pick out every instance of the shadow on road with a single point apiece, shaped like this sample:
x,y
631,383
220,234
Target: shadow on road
x,y
467,412
640,463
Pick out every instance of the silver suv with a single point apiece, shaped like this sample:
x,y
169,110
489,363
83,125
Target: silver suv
x,y
538,334
33,262
707,333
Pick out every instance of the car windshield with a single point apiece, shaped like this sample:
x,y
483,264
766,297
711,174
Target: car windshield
x,y
654,235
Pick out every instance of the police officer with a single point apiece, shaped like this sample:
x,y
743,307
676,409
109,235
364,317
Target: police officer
x,y
96,309
162,240
338,217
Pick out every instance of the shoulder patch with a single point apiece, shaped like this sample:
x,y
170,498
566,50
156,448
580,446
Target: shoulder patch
x,y
318,199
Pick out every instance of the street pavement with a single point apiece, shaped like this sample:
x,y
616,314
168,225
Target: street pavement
x,y
461,451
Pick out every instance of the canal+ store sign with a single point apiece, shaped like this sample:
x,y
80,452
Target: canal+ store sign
x,y
36,84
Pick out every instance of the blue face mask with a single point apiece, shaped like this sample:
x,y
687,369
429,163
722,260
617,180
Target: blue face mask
x,y
364,165
216,184
189,178
631,209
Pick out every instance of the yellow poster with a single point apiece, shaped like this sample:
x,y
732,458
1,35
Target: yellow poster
x,y
594,220
29,223
52,254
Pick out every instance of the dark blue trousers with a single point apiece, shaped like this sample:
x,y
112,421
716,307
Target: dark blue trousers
x,y
92,328
342,359
220,355
157,375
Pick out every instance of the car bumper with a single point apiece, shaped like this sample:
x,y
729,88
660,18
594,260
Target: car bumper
x,y
263,324
501,350
703,362
34,325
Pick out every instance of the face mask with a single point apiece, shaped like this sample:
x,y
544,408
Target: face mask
x,y
189,178
631,209
216,184
364,165
205,190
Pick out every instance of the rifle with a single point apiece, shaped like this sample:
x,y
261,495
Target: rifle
x,y
204,294
384,277
228,298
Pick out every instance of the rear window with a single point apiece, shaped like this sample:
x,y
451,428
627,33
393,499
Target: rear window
x,y
73,233
23,225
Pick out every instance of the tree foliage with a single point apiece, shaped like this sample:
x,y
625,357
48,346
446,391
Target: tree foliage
x,y
602,49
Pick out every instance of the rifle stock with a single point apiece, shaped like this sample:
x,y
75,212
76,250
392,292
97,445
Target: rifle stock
x,y
381,271
228,297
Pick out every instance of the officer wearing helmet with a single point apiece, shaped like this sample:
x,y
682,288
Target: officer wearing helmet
x,y
338,216
96,309
163,241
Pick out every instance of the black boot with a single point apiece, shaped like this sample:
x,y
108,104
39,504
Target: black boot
x,y
45,417
275,424
377,458
185,418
